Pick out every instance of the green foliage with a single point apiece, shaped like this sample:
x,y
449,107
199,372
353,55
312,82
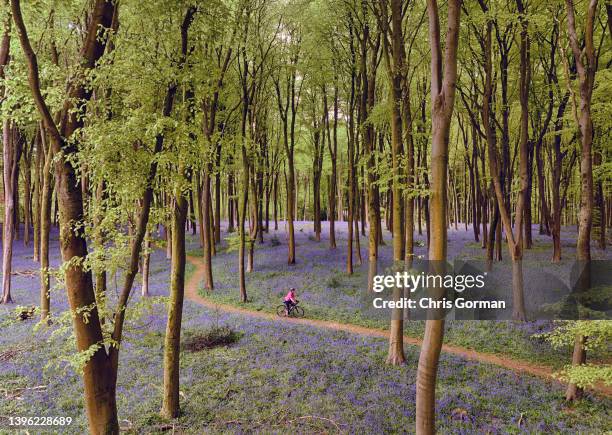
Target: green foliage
x,y
334,281
598,335
587,375
233,241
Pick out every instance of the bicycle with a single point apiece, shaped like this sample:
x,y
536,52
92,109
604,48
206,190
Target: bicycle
x,y
294,311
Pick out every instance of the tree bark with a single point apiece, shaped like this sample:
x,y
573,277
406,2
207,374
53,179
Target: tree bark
x,y
27,192
12,142
36,194
333,154
442,103
146,261
45,226
514,243
172,342
393,53
97,373
208,238
170,404
586,66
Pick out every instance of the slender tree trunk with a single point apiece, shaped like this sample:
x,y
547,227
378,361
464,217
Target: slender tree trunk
x,y
291,200
254,230
349,244
200,201
573,392
528,220
37,189
27,192
442,101
146,261
586,65
514,243
333,152
394,61
557,167
356,232
45,226
409,228
267,191
545,217
172,342
206,229
369,143
170,404
16,218
168,228
244,191
474,188
241,221
218,196
9,153
492,237
230,202
275,203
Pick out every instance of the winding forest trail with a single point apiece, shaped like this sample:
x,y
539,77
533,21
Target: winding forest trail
x,y
191,292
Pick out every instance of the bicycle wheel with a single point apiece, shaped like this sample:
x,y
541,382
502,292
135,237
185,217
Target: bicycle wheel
x,y
280,310
297,312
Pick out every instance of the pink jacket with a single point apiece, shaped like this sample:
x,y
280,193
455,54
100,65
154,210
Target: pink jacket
x,y
290,297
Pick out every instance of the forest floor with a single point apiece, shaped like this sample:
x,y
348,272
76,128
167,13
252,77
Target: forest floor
x,y
192,292
283,375
328,293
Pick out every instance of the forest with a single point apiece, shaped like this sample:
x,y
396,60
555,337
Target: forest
x,y
172,168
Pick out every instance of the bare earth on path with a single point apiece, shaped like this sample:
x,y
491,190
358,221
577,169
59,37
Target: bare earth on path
x,y
192,293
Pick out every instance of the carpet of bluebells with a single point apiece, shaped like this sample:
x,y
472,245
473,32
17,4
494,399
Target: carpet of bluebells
x,y
278,377
327,292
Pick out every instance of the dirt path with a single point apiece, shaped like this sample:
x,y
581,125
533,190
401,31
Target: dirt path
x,y
191,292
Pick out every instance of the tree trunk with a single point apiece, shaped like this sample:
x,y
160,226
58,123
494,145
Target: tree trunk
x,y
37,189
254,229
409,228
10,153
442,103
586,65
146,261
218,196
350,175
170,406
200,201
241,220
369,142
230,202
275,201
333,153
394,60
27,191
206,229
573,392
45,226
528,215
514,243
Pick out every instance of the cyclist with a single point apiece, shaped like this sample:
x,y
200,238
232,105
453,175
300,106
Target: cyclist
x,y
290,300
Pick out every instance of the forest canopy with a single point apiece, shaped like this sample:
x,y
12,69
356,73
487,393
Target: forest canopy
x,y
132,126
